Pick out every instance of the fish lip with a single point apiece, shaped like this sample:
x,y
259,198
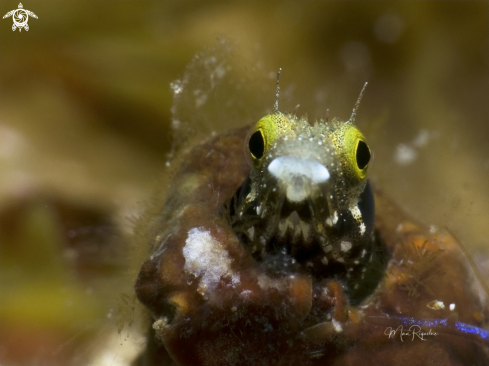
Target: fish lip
x,y
298,175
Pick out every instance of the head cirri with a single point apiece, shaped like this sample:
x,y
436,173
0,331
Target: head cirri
x,y
307,200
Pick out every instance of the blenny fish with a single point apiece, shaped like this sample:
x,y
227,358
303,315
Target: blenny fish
x,y
286,255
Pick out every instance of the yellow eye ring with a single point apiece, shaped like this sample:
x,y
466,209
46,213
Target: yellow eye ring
x,y
353,152
262,136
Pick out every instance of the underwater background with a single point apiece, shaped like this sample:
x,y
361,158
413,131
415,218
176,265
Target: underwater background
x,y
85,132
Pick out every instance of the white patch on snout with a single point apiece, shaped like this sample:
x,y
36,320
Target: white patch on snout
x,y
298,175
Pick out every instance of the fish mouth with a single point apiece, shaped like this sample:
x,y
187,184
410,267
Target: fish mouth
x,y
316,234
290,214
301,182
302,202
296,232
280,232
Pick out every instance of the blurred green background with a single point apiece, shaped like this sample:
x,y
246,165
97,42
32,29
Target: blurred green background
x,y
85,128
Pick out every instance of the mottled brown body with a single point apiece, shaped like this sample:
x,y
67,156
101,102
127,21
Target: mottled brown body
x,y
241,314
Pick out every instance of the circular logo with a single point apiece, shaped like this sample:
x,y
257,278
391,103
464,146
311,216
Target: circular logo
x,y
20,18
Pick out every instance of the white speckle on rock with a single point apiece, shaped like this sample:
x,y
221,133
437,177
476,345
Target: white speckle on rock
x,y
337,326
245,293
206,258
436,305
160,324
265,282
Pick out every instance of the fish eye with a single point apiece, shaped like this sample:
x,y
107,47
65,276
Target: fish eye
x,y
362,154
256,144
354,153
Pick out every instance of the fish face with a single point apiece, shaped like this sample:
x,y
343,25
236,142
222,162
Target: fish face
x,y
307,197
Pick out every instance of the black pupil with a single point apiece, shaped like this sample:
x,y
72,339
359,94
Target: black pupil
x,y
363,154
257,145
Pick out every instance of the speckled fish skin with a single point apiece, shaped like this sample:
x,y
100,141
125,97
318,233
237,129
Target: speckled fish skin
x,y
307,199
213,304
